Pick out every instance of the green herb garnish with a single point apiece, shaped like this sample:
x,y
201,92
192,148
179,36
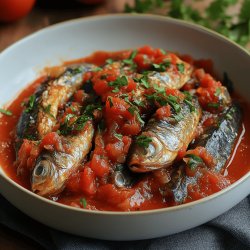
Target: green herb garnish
x,y
76,71
109,61
96,69
130,60
47,110
5,112
143,141
217,92
180,67
118,136
178,117
194,161
143,81
118,83
66,126
173,102
83,202
213,105
161,67
139,103
30,104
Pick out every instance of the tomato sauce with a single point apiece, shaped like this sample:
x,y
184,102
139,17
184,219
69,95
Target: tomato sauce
x,y
87,188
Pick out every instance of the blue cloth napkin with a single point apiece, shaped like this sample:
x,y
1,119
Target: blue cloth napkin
x,y
228,231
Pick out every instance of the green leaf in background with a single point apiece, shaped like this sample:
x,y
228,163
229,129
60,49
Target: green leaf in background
x,y
235,27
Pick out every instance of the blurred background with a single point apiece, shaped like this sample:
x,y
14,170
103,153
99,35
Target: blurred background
x,y
19,18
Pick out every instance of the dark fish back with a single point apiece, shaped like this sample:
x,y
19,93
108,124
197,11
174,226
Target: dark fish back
x,y
27,124
219,142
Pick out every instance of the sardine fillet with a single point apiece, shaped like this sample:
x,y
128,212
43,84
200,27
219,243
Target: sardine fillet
x,y
167,140
62,164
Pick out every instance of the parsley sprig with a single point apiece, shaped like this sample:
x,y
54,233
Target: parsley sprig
x,y
120,81
162,67
143,141
130,60
30,105
79,122
5,112
194,161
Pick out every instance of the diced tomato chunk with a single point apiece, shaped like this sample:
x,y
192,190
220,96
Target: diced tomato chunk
x,y
117,151
73,183
27,155
100,165
131,128
143,61
51,141
110,194
163,112
147,50
87,181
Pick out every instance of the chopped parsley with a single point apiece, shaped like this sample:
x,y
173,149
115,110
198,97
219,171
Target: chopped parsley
x,y
190,104
96,69
79,122
134,111
66,126
83,202
180,67
120,81
217,92
178,117
139,103
213,105
173,102
109,61
130,60
161,67
143,81
194,161
118,136
143,141
30,104
76,71
47,110
5,112
188,100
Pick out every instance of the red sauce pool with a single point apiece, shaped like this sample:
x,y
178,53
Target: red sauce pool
x,y
238,165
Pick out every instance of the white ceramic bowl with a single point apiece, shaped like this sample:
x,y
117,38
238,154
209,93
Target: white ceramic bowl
x,y
19,65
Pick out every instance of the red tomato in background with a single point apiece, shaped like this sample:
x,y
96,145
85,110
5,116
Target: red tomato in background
x,y
12,10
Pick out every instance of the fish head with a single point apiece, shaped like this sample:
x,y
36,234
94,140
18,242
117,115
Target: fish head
x,y
45,176
153,157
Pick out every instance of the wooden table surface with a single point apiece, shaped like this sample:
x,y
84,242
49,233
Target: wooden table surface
x,y
39,18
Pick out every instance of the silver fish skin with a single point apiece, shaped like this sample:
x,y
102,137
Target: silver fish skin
x,y
168,138
53,169
219,142
171,78
41,118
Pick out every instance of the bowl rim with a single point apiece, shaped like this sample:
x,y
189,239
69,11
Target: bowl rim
x,y
101,17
